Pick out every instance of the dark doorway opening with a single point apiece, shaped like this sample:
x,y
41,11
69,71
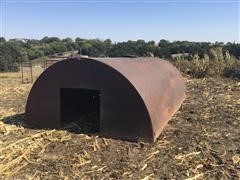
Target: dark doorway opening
x,y
80,110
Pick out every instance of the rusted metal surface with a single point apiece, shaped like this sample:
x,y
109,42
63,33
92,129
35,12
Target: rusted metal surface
x,y
137,96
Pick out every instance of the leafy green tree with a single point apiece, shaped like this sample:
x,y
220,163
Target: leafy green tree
x,y
163,43
10,56
17,50
2,40
47,39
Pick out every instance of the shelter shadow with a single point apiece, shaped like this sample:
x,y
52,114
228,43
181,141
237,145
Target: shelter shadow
x,y
77,127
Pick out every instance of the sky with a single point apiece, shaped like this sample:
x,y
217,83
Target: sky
x,y
192,20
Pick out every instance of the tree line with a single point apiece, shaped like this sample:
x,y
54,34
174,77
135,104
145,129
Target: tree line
x,y
14,51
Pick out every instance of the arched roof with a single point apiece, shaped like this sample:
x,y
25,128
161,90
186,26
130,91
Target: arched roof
x,y
157,81
139,94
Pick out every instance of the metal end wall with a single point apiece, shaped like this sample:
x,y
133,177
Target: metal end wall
x,y
138,96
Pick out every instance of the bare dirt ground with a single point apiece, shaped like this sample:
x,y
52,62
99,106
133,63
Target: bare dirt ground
x,y
201,141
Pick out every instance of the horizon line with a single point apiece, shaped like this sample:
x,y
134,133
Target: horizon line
x,y
103,39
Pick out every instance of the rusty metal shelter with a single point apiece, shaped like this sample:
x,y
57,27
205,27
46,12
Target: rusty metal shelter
x,y
130,98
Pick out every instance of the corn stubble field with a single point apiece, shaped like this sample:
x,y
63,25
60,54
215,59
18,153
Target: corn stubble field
x,y
201,141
